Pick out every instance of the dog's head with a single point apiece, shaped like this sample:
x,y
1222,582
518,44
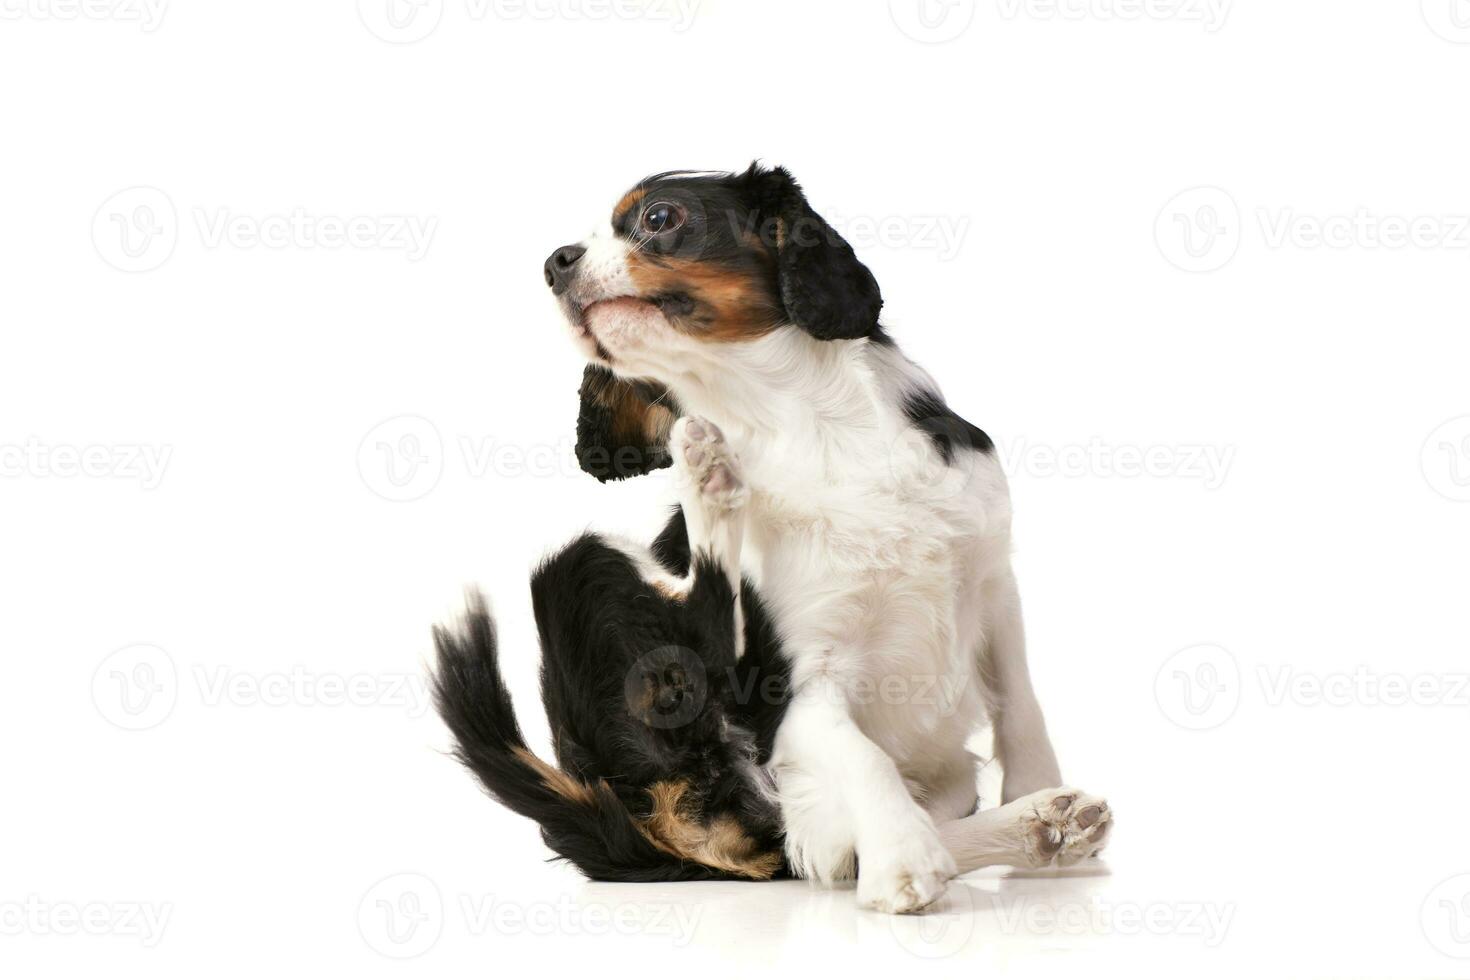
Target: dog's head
x,y
692,262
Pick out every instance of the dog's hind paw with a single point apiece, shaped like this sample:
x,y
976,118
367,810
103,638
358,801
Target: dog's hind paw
x,y
707,461
1063,826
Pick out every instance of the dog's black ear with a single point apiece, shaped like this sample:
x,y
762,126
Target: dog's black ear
x,y
825,289
622,426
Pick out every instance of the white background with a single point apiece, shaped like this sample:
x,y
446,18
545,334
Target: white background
x,y
212,707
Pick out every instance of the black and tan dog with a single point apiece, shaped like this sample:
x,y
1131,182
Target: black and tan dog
x,y
785,680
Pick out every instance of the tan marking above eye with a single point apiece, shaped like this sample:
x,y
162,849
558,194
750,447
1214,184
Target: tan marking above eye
x,y
628,202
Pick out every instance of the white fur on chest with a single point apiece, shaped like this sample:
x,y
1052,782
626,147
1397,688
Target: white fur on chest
x,y
870,551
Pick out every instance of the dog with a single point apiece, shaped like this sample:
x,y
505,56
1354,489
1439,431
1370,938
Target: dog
x,y
783,683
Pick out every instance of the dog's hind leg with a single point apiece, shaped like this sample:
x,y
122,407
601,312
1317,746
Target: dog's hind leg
x,y
1021,741
713,496
1040,822
1052,827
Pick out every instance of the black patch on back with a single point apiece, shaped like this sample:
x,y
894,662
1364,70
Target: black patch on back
x,y
944,428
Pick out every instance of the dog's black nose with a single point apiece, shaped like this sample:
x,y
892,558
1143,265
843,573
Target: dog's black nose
x,y
559,267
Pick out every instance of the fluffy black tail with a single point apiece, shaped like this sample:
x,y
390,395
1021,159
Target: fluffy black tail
x,y
583,822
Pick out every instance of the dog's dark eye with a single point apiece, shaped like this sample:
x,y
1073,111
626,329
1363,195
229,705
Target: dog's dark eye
x,y
662,217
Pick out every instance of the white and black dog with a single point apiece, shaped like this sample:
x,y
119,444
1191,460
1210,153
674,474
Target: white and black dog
x,y
783,683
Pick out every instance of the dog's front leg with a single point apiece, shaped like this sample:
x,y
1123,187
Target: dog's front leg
x,y
842,797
